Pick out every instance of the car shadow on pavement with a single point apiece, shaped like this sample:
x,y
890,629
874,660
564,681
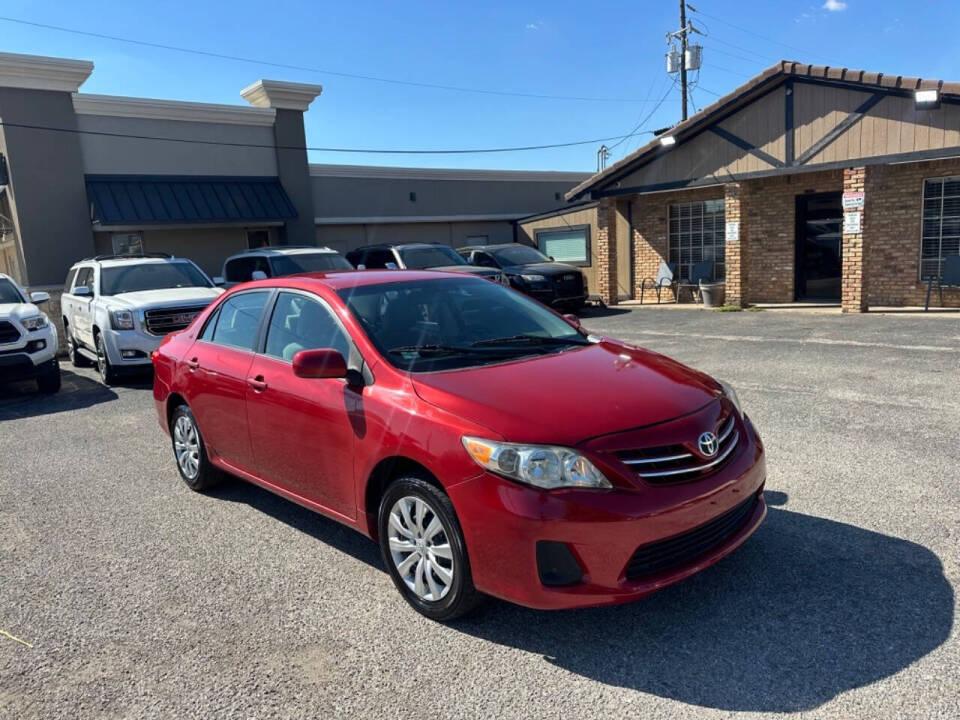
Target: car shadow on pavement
x,y
327,531
807,609
595,311
21,400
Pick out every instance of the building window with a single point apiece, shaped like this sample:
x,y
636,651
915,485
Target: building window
x,y
478,240
570,245
697,233
940,235
127,243
258,239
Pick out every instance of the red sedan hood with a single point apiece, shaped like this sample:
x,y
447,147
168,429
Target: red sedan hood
x,y
571,396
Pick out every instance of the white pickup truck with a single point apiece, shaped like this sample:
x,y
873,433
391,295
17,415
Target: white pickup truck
x,y
118,308
28,340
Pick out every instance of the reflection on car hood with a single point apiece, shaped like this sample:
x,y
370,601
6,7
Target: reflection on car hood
x,y
166,297
567,397
16,311
471,269
547,268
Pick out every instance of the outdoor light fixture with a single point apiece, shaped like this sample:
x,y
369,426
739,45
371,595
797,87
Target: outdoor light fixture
x,y
668,140
927,98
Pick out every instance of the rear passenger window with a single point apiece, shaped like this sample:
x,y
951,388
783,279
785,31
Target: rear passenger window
x,y
378,259
68,285
301,323
238,319
208,329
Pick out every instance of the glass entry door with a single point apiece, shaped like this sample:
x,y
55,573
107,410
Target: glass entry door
x,y
819,246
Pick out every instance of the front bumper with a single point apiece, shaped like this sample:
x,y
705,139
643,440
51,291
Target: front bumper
x,y
503,521
130,348
26,359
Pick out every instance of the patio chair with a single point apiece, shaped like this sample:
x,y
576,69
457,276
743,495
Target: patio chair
x,y
699,272
666,277
949,276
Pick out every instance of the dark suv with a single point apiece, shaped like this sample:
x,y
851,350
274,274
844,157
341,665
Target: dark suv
x,y
418,256
531,272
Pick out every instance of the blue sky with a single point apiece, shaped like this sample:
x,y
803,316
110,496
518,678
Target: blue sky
x,y
607,49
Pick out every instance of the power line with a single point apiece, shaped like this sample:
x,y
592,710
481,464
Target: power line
x,y
312,149
755,34
321,71
640,123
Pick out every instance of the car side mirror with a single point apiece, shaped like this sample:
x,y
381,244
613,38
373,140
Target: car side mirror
x,y
573,320
218,280
551,258
361,266
258,275
321,363
82,291
390,266
39,297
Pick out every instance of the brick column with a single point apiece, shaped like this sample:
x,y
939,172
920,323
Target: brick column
x,y
607,250
854,273
735,253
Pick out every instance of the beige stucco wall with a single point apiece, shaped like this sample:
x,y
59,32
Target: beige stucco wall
x,y
347,237
207,247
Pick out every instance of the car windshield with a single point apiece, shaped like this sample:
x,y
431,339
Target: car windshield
x,y
151,276
442,324
309,262
9,293
419,258
518,255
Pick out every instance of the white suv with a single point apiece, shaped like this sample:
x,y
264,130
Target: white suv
x,y
279,261
118,308
28,340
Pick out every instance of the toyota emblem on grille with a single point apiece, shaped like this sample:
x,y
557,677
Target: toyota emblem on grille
x,y
708,444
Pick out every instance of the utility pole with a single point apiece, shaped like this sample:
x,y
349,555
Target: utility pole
x,y
683,58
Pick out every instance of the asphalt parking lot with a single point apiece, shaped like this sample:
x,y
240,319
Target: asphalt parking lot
x,y
142,599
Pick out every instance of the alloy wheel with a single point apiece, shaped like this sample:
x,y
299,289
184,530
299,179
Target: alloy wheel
x,y
186,445
420,548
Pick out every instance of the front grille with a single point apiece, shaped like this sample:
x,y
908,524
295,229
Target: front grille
x,y
168,320
674,463
8,333
688,546
568,284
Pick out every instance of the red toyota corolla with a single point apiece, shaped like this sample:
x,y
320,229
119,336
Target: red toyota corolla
x,y
490,445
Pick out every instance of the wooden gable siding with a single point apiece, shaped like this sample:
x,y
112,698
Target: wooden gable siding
x,y
707,154
892,126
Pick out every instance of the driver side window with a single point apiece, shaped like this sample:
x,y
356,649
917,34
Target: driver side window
x,y
484,260
302,323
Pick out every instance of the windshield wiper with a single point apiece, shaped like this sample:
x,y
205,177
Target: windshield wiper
x,y
433,349
533,340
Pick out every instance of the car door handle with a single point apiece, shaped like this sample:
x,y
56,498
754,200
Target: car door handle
x,y
193,363
257,383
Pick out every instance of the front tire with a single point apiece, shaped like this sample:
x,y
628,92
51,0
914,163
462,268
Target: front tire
x,y
189,451
424,551
50,383
107,374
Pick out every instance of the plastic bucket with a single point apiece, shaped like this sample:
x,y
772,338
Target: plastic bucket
x,y
713,293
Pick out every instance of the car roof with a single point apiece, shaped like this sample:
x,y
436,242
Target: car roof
x,y
304,250
120,262
399,246
341,279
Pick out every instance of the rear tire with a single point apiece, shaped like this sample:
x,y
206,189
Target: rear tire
x,y
50,383
189,451
76,359
424,551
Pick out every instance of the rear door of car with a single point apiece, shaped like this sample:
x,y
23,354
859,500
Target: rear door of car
x,y
218,367
301,431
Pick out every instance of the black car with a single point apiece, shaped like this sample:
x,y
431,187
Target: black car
x,y
531,272
418,256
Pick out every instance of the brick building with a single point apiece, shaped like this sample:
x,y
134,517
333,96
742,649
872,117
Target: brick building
x,y
806,183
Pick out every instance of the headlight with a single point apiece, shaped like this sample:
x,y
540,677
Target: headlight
x,y
731,395
35,322
533,278
121,320
543,466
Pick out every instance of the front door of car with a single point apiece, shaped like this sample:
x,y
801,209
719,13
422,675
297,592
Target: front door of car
x,y
83,307
218,365
300,428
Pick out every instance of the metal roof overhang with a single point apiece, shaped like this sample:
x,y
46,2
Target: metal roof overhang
x,y
164,200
